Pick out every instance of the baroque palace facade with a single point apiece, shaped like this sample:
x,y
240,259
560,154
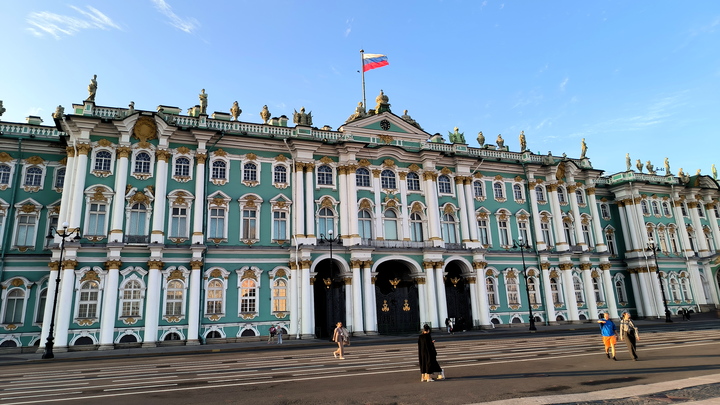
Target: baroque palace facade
x,y
199,228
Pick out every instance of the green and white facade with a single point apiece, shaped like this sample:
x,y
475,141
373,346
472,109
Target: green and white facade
x,y
207,228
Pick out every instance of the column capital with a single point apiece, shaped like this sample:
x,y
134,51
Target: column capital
x,y
196,264
155,264
113,264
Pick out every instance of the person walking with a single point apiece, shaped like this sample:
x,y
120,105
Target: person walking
x,y
279,332
609,335
629,333
449,325
427,356
271,335
340,336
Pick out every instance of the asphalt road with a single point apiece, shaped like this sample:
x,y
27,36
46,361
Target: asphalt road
x,y
479,369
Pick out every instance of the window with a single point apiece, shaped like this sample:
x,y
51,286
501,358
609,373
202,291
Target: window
x,y
248,295
178,222
444,186
40,309
416,227
674,245
280,174
539,193
103,160
325,175
4,175
219,170
620,290
655,208
666,209
214,301
512,291
498,190
365,224
533,290
25,233
597,288
448,228
610,239
545,232
674,290
517,192
555,291
326,221
96,219
279,295
413,182
387,179
562,198
644,207
578,287
174,298
250,172
362,177
131,299
249,224
391,225
182,167
585,227
280,225
685,288
504,232
137,220
569,234
14,304
478,189
142,163
491,291
580,196
523,231
88,303
483,232
33,177
683,209
59,178
216,228
701,210
605,211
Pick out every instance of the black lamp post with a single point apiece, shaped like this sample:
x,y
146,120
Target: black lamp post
x,y
65,235
654,247
522,245
330,239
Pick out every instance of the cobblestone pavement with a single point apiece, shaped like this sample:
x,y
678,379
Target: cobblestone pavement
x,y
684,395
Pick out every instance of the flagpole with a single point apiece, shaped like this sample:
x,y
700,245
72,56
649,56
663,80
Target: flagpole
x,y
362,71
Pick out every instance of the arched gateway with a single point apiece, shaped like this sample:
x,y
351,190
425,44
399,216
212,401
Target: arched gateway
x,y
329,293
396,297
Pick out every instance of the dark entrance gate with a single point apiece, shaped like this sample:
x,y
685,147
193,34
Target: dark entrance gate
x,y
396,299
457,294
329,289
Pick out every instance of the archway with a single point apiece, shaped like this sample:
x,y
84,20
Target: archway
x,y
396,299
457,295
329,289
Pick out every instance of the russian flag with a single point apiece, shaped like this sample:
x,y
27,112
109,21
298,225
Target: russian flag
x,y
374,61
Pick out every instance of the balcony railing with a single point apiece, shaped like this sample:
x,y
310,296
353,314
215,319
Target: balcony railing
x,y
137,239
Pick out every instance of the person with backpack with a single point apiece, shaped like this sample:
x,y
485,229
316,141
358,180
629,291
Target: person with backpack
x,y
272,334
340,336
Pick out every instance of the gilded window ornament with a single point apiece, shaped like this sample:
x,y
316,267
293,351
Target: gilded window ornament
x,y
220,152
389,163
145,129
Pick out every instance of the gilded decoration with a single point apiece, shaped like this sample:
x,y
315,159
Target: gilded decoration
x,y
140,197
364,163
280,158
406,306
176,275
448,209
326,160
281,273
155,264
123,152
112,264
413,167
376,173
391,204
85,322
498,177
162,154
482,215
518,179
196,264
16,282
386,138
35,160
201,158
172,319
553,273
402,175
445,171
249,274
129,321
83,148
220,152
219,202
565,266
104,143
28,209
478,175
385,307
585,266
429,176
326,203
5,157
145,129
389,163
98,195
416,207
489,273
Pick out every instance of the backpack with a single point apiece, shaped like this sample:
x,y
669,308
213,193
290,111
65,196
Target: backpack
x,y
272,330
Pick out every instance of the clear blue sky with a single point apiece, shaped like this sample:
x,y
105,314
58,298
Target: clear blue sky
x,y
638,77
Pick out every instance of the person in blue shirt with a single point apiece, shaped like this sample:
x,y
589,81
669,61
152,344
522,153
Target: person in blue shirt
x,y
609,335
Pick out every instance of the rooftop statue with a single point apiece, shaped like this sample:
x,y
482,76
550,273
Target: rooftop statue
x,y
667,167
92,89
265,114
203,101
684,178
457,137
437,138
359,113
2,109
300,118
383,104
583,149
481,139
500,142
523,142
131,108
235,111
650,168
409,120
714,171
639,165
627,162
59,112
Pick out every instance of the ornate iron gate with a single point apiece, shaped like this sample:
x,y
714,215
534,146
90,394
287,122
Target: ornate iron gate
x,y
396,300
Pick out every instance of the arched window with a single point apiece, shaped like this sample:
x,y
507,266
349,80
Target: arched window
x,y
416,228
539,193
579,292
499,191
88,304
174,298
326,221
491,288
605,211
533,290
178,222
325,175
580,196
249,223
40,310
444,185
597,287
362,177
280,174
517,192
504,232
96,218
219,170
413,181
248,294
448,228
4,174
483,231
644,207
391,225
387,179
131,299
59,177
556,291
279,294
655,208
280,225
562,197
103,159
685,288
478,189
14,303
250,172
33,177
216,223
620,290
182,167
365,224
666,209
142,163
513,297
215,292
674,290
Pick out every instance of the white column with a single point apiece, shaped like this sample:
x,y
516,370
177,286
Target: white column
x,y
433,209
379,230
549,303
713,219
109,305
475,303
310,200
422,300
200,204
539,242
345,206
299,201
357,305
405,210
561,244
65,305
464,211
350,305
293,299
441,296
590,300
645,291
625,227
370,310
118,209
682,229
195,286
70,171
470,209
351,202
152,303
636,293
306,306
632,222
702,246
49,300
158,223
577,224
600,245
698,292
81,168
431,295
570,301
609,288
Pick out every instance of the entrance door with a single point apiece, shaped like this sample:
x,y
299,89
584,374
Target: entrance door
x,y
457,294
396,298
329,291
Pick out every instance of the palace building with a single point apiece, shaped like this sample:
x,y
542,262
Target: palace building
x,y
197,228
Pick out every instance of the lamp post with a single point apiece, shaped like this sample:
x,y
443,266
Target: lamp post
x,y
65,235
654,247
522,245
330,239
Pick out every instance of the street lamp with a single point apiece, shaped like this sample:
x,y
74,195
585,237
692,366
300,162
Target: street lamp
x,y
522,245
65,235
654,247
330,239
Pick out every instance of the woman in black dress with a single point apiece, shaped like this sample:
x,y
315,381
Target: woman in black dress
x,y
428,357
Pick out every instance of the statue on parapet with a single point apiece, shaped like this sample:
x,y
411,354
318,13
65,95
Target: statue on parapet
x,y
301,118
667,167
500,142
437,138
457,136
639,165
203,101
2,109
59,112
650,168
714,171
481,139
359,113
409,119
523,142
265,114
92,89
628,163
583,149
684,178
235,111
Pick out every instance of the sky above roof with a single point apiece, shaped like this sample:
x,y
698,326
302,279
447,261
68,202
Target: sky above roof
x,y
630,77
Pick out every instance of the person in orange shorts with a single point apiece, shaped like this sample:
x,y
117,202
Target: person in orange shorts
x,y
609,335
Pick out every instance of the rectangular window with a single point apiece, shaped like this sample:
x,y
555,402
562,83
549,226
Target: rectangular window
x,y
249,223
279,225
178,222
25,230
504,234
96,219
483,233
216,228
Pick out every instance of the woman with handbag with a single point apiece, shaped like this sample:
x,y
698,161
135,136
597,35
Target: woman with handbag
x,y
629,333
340,336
